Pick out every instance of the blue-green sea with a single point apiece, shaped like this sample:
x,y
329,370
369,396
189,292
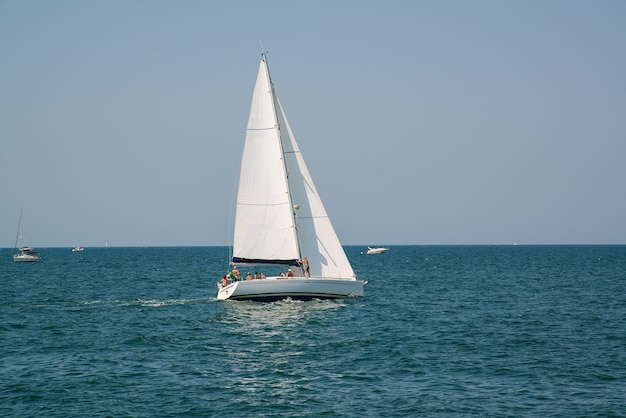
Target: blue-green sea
x,y
479,331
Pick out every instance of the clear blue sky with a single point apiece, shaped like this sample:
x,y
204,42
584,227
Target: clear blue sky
x,y
422,122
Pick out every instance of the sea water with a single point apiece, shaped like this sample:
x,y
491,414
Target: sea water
x,y
442,331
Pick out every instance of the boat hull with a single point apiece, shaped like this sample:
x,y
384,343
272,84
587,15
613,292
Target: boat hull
x,y
273,289
19,258
377,250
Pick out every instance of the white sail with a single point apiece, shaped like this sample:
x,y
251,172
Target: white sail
x,y
280,217
264,229
316,235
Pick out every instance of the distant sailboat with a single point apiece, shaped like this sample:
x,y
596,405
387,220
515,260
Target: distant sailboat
x,y
78,249
26,253
280,219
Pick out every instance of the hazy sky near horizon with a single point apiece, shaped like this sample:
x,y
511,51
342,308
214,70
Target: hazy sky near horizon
x,y
422,122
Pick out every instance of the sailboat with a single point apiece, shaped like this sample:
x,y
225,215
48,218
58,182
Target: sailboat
x,y
280,221
26,253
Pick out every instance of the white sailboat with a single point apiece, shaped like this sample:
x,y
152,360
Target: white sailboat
x,y
280,221
26,253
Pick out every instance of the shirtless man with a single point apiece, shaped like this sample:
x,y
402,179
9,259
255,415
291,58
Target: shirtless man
x,y
305,263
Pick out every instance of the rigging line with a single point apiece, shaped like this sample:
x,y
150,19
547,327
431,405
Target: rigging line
x,y
231,244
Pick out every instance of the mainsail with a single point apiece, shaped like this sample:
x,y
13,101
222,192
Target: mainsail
x,y
280,217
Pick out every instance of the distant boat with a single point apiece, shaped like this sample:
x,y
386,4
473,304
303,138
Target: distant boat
x,y
26,253
377,250
280,220
77,249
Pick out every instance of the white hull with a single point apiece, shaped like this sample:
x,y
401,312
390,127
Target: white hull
x,y
274,288
21,258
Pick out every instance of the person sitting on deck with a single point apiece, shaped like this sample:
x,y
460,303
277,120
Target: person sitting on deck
x,y
234,274
289,273
224,281
249,276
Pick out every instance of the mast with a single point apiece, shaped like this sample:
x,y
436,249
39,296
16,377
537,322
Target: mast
x,y
19,229
277,108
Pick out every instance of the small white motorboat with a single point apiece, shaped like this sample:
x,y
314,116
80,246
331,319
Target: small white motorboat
x,y
377,250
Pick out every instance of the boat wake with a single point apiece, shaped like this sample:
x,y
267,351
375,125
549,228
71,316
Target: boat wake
x,y
152,303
